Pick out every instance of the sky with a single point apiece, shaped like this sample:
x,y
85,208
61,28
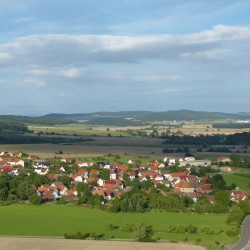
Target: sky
x,y
78,56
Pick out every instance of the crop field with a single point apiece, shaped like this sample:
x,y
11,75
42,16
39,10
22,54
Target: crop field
x,y
104,130
150,147
50,220
82,129
17,243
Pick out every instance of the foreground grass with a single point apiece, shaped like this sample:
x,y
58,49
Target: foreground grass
x,y
55,220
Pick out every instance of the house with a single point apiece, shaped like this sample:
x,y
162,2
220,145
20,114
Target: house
x,y
192,178
144,174
100,182
60,187
7,169
238,196
193,196
205,188
47,192
131,175
153,162
67,160
52,177
33,157
70,192
81,164
154,168
181,175
84,172
44,171
59,168
94,172
190,158
223,159
16,154
165,173
112,175
121,167
2,153
159,177
15,162
170,160
183,187
90,180
130,162
225,169
78,177
203,163
106,194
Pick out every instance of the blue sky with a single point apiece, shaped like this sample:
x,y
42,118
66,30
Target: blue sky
x,y
108,55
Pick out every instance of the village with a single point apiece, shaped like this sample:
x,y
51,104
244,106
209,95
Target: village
x,y
109,181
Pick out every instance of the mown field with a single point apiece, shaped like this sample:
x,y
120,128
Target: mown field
x,y
55,220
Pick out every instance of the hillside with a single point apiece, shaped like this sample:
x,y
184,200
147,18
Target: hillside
x,y
147,116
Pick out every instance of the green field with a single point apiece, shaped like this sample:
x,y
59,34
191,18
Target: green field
x,y
242,182
55,220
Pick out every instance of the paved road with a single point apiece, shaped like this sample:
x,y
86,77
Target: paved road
x,y
245,235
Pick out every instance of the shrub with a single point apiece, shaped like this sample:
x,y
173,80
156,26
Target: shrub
x,y
61,201
206,230
191,229
180,229
35,199
233,230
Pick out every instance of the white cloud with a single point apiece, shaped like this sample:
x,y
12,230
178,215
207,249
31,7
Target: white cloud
x,y
65,95
216,54
62,50
38,72
156,78
34,82
5,57
71,73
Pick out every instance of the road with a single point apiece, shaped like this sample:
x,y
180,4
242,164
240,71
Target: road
x,y
245,235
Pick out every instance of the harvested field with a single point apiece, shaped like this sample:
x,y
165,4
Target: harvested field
x,y
53,244
101,146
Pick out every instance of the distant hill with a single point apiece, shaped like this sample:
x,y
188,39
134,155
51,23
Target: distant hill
x,y
139,117
44,120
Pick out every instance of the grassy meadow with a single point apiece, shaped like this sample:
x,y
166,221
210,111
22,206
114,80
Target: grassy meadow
x,y
55,220
243,182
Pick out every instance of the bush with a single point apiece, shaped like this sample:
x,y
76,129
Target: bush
x,y
77,236
191,229
129,227
233,230
235,216
206,230
180,229
35,199
61,201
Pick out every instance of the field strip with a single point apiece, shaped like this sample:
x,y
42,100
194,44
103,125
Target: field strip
x,y
20,243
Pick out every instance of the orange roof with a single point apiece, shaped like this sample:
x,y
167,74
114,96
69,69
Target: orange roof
x,y
183,184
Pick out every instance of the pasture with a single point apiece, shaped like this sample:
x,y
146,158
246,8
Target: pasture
x,y
243,182
55,220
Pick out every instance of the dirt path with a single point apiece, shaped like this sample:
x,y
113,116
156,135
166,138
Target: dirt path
x,y
14,243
